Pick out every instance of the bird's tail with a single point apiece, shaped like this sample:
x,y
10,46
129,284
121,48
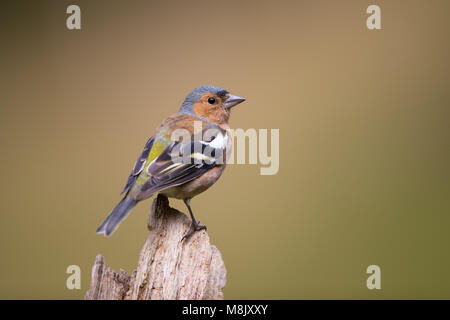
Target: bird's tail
x,y
119,213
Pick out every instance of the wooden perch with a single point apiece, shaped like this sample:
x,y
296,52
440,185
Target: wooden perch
x,y
168,268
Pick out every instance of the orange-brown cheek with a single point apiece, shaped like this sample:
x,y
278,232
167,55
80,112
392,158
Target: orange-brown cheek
x,y
201,110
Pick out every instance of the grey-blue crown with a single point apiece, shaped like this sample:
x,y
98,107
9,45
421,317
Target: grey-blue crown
x,y
196,94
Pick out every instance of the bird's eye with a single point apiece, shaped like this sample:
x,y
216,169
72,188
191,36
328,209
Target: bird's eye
x,y
211,100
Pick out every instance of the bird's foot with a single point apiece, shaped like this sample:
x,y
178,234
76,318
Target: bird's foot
x,y
195,226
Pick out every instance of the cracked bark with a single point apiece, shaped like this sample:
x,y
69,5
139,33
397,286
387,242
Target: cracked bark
x,y
167,268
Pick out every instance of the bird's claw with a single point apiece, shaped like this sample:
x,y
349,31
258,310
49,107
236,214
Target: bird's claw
x,y
195,226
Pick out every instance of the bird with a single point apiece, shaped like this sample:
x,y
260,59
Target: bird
x,y
184,157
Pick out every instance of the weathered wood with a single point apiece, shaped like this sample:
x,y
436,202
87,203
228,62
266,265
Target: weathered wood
x,y
168,268
106,284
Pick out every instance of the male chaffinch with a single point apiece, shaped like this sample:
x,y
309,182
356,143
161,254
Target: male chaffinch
x,y
159,169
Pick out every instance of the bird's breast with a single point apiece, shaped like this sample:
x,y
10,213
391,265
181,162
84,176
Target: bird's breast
x,y
194,187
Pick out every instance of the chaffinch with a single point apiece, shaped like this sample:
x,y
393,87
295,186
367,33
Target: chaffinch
x,y
181,168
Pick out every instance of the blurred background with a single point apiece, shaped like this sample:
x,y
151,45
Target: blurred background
x,y
364,140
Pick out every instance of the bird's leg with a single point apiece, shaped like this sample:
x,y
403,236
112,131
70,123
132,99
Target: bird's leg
x,y
195,225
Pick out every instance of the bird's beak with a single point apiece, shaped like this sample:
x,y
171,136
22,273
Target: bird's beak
x,y
232,101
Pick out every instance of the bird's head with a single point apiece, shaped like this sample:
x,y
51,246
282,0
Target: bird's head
x,y
211,103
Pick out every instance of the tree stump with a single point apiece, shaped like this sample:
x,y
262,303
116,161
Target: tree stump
x,y
168,268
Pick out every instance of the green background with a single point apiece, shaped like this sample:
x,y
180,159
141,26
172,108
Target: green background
x,y
364,140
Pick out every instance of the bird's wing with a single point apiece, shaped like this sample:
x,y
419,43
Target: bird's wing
x,y
140,164
181,162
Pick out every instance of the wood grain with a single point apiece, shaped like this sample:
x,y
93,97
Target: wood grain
x,y
168,268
